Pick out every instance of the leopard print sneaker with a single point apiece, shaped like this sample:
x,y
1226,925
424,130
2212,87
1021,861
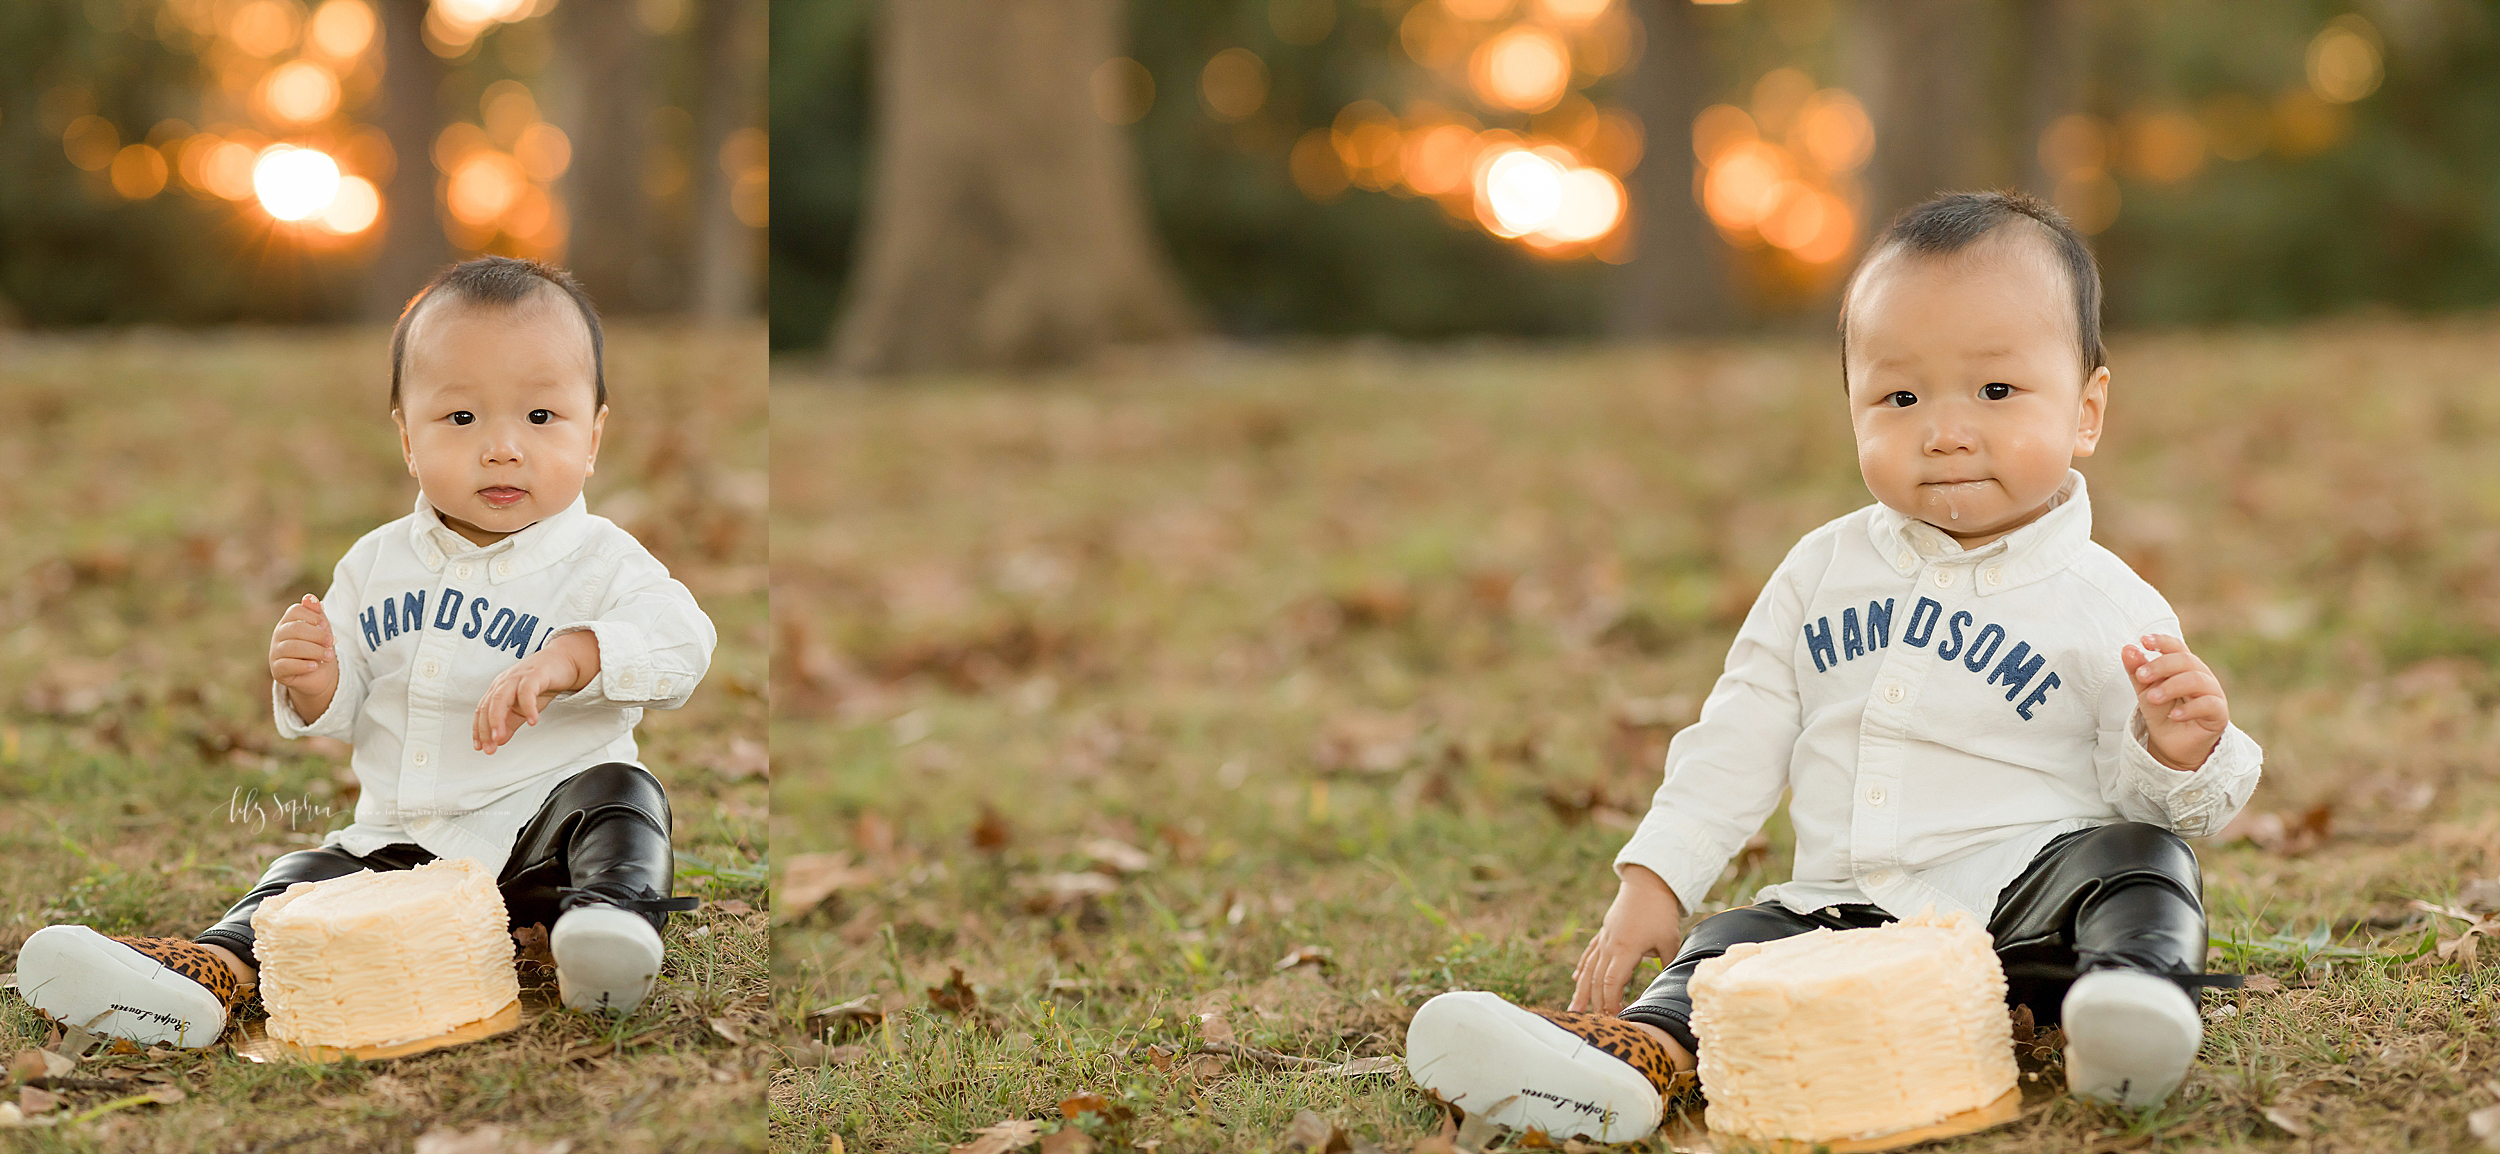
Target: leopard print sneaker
x,y
148,990
1559,1072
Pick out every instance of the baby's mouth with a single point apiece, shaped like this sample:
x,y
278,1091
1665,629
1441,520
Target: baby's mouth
x,y
502,496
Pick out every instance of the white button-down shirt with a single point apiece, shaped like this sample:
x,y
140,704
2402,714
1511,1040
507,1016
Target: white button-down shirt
x,y
1937,716
424,620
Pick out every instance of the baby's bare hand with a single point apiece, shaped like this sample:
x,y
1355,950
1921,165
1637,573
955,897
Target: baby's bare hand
x,y
302,652
1645,920
2179,697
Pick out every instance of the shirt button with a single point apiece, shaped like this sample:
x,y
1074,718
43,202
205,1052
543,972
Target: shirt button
x,y
1944,577
433,668
420,758
503,568
1992,575
462,571
1906,559
1892,693
1874,795
1880,877
664,687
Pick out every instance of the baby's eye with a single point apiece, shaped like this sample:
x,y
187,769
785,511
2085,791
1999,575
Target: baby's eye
x,y
1901,399
1996,390
541,416
463,417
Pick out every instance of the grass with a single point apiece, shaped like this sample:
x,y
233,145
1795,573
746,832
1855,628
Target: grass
x,y
162,497
1376,651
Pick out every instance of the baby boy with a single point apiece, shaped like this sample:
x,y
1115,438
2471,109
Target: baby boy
x,y
488,655
1972,706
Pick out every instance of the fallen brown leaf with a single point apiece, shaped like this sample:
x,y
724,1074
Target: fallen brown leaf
x,y
811,878
1363,1067
990,833
1052,893
2290,1121
1215,1028
744,758
1304,956
1114,856
1078,1105
1068,1141
31,1100
1315,1135
735,1034
2262,984
860,1013
1000,1137
954,996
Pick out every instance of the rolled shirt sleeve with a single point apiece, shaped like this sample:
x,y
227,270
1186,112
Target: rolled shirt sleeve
x,y
1726,771
2191,803
655,642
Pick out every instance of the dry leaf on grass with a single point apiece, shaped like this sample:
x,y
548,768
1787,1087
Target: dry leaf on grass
x,y
2484,1125
990,833
1053,893
744,758
734,1033
1078,1105
2262,984
860,1013
31,1100
1112,855
1367,742
31,1064
2290,1120
954,996
1069,1141
2290,835
487,1139
1001,1137
1304,956
1215,1028
811,878
1362,1067
1315,1135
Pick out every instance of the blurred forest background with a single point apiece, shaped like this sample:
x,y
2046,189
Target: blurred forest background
x,y
205,161
1346,166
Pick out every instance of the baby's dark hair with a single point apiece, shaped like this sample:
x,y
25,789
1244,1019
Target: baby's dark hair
x,y
1956,220
500,280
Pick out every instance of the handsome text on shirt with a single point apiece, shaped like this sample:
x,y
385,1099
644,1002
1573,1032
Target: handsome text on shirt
x,y
1973,652
405,613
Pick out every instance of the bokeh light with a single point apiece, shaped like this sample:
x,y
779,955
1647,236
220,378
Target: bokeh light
x,y
746,158
1234,84
2164,147
1521,189
1122,90
545,152
1592,204
1573,11
300,92
2343,60
1834,132
342,29
1719,128
90,142
355,208
1437,160
138,171
264,28
1476,10
294,183
1524,68
1302,21
1740,189
483,184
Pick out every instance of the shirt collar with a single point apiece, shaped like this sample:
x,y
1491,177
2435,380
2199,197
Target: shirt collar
x,y
536,547
2025,555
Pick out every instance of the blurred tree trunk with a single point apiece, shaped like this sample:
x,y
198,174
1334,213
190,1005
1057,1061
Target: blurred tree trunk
x,y
603,62
1677,279
410,113
1006,226
730,37
1918,69
2054,47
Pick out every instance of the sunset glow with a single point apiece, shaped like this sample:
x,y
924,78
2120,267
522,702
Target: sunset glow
x,y
294,183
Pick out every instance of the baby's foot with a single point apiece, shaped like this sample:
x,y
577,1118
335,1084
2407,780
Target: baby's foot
x,y
1560,1072
148,990
606,957
2129,1037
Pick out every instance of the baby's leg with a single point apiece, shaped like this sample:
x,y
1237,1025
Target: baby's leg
x,y
594,866
2119,896
1665,1010
231,937
2118,903
601,836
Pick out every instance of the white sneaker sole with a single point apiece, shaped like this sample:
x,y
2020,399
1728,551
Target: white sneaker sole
x,y
2129,1037
83,978
606,958
1508,1066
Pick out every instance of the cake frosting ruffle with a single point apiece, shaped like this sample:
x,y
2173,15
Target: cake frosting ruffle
x,y
381,958
1831,1035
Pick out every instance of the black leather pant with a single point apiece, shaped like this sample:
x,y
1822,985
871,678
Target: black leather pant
x,y
2125,895
601,836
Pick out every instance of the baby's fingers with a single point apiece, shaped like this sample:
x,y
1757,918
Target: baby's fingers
x,y
2193,683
